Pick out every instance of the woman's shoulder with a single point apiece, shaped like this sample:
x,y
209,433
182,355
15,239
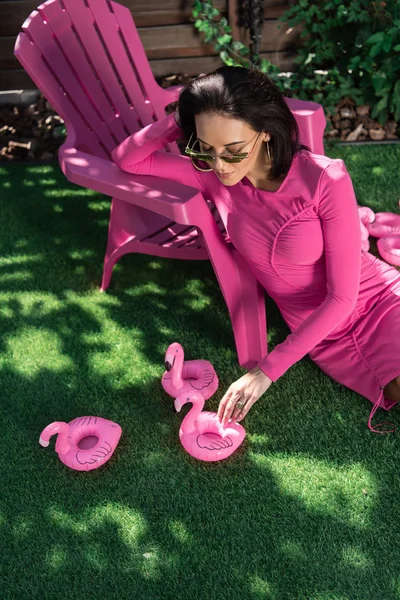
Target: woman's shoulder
x,y
316,164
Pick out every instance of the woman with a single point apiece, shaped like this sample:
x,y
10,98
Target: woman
x,y
293,216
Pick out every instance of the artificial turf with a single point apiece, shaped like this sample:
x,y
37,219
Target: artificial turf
x,y
307,508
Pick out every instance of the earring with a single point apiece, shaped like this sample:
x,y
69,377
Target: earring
x,y
198,168
268,152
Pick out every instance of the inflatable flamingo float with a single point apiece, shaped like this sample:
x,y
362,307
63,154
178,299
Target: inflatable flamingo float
x,y
389,249
85,443
183,377
386,227
202,434
385,223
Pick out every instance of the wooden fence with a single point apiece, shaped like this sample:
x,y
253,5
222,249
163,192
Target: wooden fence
x,y
169,38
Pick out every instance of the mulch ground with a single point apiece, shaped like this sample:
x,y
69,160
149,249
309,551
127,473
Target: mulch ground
x,y
36,132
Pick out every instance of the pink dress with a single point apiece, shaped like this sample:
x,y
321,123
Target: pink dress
x,y
303,244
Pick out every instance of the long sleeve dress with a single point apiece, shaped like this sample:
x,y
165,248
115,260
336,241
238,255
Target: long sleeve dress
x,y
303,244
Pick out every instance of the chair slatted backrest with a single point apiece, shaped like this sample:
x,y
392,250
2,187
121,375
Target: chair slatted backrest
x,y
87,58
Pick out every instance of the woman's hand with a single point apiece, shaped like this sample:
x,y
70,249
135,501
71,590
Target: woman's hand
x,y
242,394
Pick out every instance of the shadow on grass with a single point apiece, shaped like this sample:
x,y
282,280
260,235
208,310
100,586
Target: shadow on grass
x,y
308,506
155,523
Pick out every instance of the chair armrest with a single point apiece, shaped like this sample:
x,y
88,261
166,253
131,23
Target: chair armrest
x,y
180,203
171,94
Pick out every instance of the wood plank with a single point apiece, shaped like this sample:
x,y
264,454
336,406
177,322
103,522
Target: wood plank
x,y
196,65
182,40
178,41
167,12
146,13
18,79
7,58
13,14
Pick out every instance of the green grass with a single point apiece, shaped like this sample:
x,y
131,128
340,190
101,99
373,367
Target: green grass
x,y
308,508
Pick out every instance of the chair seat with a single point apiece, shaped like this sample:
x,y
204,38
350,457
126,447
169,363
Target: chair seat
x,y
172,235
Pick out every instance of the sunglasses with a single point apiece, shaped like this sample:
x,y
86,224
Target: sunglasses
x,y
209,158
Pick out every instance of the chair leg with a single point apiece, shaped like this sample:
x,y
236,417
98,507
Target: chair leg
x,y
109,262
250,320
245,301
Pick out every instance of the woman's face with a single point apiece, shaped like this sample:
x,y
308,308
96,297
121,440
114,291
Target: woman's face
x,y
224,135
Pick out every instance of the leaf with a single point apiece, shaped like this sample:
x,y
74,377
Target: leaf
x,y
376,37
375,50
387,44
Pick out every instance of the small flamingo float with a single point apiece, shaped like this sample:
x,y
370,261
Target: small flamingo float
x,y
202,434
85,443
389,249
385,223
386,227
183,377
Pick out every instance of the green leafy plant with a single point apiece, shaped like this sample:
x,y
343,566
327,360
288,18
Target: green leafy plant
x,y
357,45
216,30
350,50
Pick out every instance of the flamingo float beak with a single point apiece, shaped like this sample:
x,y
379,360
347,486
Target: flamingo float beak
x,y
178,404
168,366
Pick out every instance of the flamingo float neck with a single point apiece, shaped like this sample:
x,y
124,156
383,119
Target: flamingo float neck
x,y
189,422
176,361
61,429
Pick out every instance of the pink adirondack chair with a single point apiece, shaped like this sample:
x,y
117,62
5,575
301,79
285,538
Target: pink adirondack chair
x,y
87,59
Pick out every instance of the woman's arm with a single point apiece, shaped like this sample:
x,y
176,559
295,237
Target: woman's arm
x,y
338,212
139,154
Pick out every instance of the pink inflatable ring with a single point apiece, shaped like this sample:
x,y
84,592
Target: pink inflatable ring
x,y
385,223
389,249
85,443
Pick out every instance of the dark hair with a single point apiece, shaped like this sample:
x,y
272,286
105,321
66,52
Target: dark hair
x,y
249,95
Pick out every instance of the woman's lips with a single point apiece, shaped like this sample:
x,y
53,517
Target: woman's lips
x,y
223,175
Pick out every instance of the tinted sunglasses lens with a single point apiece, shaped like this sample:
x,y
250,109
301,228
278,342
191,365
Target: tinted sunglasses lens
x,y
205,157
232,159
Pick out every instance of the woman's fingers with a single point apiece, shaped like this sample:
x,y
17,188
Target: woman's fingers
x,y
223,402
238,409
229,405
245,410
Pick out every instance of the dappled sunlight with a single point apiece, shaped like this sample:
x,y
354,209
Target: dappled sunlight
x,y
146,288
56,558
195,296
22,527
261,440
293,550
261,589
131,528
180,532
156,459
293,513
346,493
47,181
129,523
21,259
66,193
19,276
378,171
81,254
34,350
353,556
